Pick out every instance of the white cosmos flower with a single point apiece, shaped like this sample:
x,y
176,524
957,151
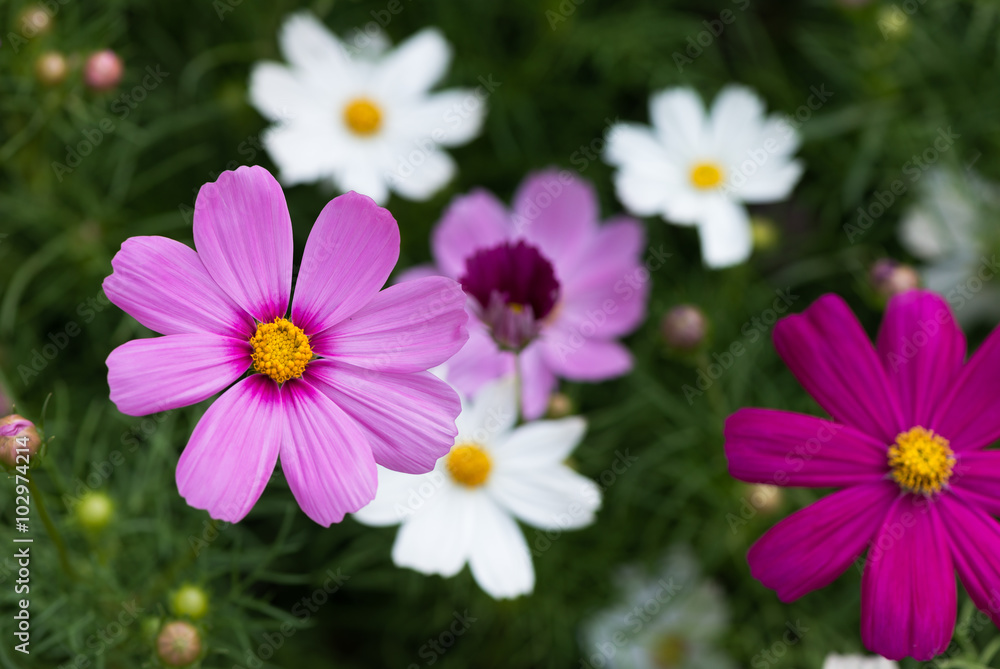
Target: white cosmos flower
x,y
465,509
698,169
858,662
363,119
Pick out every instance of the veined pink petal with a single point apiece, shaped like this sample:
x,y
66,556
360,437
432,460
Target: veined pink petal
x,y
976,478
325,456
244,237
908,599
967,415
350,253
557,212
409,419
164,285
922,350
471,222
152,375
573,356
790,449
233,449
409,327
809,549
974,538
537,381
827,350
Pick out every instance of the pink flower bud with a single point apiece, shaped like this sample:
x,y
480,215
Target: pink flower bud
x,y
684,327
178,644
103,70
18,436
892,278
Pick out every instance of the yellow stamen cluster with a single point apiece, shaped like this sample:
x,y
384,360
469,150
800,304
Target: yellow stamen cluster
x,y
280,350
669,652
921,461
363,116
705,176
469,465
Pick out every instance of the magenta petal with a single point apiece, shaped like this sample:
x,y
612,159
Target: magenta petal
x,y
409,327
479,361
153,375
352,249
244,236
975,548
409,419
573,356
809,549
232,452
557,212
908,598
784,448
325,455
968,414
976,478
164,285
922,350
827,350
471,222
537,382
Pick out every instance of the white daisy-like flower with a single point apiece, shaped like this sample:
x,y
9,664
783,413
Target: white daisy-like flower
x,y
698,169
464,510
671,619
363,117
857,662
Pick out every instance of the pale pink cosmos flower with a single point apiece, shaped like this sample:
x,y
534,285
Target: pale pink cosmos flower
x,y
334,387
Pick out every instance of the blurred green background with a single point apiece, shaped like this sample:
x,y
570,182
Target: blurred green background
x,y
564,70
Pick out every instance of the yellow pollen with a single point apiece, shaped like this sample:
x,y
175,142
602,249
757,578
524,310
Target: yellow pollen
x,y
280,350
469,465
706,175
921,461
516,307
363,116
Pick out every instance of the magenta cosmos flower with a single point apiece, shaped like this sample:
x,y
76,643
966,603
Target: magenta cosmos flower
x,y
910,422
335,387
547,281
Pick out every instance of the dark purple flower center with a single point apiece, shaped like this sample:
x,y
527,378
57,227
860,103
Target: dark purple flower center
x,y
516,288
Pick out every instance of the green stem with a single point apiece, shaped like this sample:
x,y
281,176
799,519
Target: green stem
x,y
518,390
36,495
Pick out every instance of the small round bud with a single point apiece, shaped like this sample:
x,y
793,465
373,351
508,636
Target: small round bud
x,y
684,327
150,628
35,21
560,405
892,278
893,22
189,601
178,644
51,68
18,436
765,498
94,511
765,233
103,70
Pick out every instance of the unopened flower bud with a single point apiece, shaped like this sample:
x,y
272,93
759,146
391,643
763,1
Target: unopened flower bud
x,y
103,70
765,498
560,405
35,21
189,601
892,278
684,327
94,511
179,644
765,233
893,22
51,68
18,437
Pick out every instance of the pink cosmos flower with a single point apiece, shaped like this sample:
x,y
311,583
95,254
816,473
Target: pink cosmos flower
x,y
335,387
910,422
546,280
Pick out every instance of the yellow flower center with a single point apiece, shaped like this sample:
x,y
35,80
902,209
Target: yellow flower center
x,y
669,652
469,465
280,350
363,116
921,461
706,175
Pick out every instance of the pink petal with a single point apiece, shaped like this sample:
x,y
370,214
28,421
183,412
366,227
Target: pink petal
x,y
976,478
827,350
409,419
571,355
233,449
479,361
163,285
790,449
325,455
352,249
471,222
967,415
537,382
809,549
152,375
908,599
408,327
975,548
922,350
416,272
557,212
244,236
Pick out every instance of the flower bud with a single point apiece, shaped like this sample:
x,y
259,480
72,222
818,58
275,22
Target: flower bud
x,y
103,70
18,436
560,405
893,22
178,644
51,68
684,327
765,498
35,21
94,511
765,233
189,601
892,278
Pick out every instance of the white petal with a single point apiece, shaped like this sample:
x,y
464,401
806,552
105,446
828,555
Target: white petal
x,y
276,93
550,498
632,145
400,496
737,118
500,559
420,174
488,418
364,178
437,539
857,662
641,193
414,66
678,116
449,118
769,182
725,233
310,46
299,153
539,444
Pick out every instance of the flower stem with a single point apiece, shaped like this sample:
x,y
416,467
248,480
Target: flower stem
x,y
36,495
